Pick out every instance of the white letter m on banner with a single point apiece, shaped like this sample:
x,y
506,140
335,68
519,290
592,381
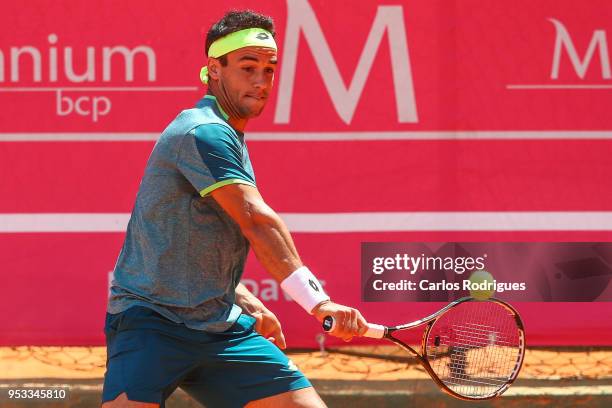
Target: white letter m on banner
x,y
300,17
563,39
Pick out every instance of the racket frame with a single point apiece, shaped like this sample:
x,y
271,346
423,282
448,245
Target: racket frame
x,y
423,360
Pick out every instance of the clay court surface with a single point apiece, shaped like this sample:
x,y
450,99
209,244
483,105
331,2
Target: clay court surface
x,y
347,363
354,376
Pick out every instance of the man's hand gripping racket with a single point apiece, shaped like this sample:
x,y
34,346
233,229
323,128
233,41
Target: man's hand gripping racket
x,y
472,349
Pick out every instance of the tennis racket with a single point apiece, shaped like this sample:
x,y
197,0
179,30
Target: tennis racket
x,y
472,349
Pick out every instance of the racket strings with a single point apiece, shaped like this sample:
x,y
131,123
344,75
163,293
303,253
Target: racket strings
x,y
475,348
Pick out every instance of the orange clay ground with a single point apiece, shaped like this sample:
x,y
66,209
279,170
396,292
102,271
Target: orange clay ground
x,y
350,363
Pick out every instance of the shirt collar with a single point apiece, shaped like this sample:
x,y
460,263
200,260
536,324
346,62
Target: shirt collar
x,y
211,100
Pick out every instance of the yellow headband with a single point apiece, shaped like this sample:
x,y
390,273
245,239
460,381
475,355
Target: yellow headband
x,y
251,37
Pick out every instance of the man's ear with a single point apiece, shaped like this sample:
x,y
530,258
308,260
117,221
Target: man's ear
x,y
213,68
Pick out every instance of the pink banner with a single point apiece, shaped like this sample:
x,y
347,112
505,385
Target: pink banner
x,y
390,121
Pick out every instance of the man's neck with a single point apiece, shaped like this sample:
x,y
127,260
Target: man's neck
x,y
230,110
238,124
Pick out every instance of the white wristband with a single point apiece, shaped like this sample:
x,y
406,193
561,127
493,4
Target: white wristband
x,y
304,288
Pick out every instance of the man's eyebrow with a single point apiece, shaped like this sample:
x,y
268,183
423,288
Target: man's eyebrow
x,y
248,58
253,58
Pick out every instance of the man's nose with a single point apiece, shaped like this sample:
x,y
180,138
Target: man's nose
x,y
259,81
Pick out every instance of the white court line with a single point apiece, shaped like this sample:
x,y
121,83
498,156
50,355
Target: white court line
x,y
342,222
322,136
516,390
559,390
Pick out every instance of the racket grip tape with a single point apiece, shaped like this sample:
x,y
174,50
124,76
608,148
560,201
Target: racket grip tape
x,y
375,331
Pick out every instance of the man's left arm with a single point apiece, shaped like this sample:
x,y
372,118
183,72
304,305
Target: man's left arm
x,y
266,322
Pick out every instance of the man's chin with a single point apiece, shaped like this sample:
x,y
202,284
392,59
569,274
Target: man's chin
x,y
252,112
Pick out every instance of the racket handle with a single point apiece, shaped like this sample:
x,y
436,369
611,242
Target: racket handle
x,y
375,331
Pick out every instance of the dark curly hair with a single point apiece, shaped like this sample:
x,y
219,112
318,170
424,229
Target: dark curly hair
x,y
237,20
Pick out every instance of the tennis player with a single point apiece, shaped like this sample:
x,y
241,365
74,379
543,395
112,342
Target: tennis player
x,y
177,314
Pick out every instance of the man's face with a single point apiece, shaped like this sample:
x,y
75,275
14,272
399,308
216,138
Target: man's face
x,y
248,77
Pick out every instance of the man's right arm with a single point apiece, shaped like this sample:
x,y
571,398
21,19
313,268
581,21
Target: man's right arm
x,y
266,232
274,248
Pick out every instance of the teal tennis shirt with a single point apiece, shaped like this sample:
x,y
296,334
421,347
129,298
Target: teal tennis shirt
x,y
183,255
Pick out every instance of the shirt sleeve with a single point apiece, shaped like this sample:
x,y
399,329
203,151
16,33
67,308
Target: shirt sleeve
x,y
212,157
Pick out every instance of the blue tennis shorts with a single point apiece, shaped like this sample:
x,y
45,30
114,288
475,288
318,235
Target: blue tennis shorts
x,y
149,356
